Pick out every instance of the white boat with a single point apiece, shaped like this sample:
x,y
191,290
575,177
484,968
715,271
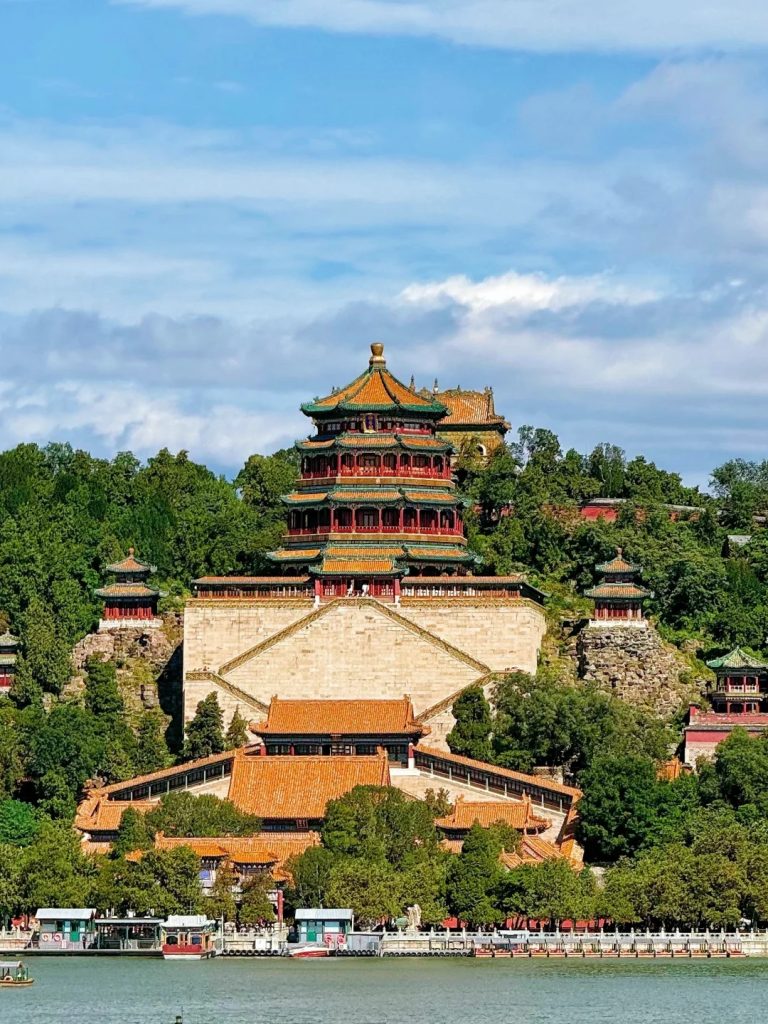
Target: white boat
x,y
307,950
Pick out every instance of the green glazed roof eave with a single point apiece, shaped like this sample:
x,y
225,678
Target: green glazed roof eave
x,y
736,659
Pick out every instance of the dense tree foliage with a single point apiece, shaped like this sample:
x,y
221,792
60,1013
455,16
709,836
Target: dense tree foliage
x,y
205,732
544,720
526,501
184,814
689,851
380,853
471,734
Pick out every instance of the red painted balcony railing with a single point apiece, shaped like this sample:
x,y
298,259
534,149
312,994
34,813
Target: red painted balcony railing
x,y
442,531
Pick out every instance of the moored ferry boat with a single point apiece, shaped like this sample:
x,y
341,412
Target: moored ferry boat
x,y
188,937
13,974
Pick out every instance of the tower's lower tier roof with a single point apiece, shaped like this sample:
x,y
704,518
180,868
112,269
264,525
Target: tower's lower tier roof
x,y
380,559
127,590
617,592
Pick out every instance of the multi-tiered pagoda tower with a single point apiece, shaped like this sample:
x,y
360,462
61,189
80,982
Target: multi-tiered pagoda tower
x,y
374,593
376,498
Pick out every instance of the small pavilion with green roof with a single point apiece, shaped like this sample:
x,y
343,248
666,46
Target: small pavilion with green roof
x,y
618,596
129,602
741,686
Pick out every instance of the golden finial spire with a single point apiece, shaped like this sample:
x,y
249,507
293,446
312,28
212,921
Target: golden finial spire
x,y
377,354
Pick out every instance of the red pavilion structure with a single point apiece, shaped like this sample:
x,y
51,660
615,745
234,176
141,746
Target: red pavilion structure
x,y
129,602
618,596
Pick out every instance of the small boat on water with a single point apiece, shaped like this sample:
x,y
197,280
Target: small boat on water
x,y
307,950
188,937
13,974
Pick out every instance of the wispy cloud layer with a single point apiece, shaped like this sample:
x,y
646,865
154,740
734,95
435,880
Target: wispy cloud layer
x,y
531,25
600,358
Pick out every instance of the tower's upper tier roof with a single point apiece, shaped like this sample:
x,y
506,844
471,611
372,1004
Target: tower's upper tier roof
x,y
618,565
131,564
375,390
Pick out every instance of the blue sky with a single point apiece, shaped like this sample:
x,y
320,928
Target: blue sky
x,y
209,208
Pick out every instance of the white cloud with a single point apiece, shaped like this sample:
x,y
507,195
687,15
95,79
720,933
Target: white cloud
x,y
525,293
681,377
534,25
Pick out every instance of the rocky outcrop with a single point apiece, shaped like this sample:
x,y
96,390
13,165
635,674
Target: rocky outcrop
x,y
148,664
639,667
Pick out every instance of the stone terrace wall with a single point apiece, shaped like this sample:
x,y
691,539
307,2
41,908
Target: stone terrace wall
x,y
353,649
216,631
636,665
502,634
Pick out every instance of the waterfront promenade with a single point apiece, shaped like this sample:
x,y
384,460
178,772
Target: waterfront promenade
x,y
380,990
604,944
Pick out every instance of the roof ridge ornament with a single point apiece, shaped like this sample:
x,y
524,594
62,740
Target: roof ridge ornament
x,y
377,354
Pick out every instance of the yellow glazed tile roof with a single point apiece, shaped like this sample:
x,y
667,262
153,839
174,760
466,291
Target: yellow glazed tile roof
x,y
347,717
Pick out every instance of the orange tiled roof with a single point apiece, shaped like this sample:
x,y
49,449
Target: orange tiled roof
x,y
616,590
363,550
670,770
343,717
300,787
100,814
534,850
530,780
240,850
289,844
307,496
618,564
287,581
421,497
358,566
164,773
287,553
469,408
411,441
375,389
315,443
452,845
517,814
449,551
94,849
368,441
371,494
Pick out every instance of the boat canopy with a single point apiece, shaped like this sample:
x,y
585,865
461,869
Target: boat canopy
x,y
187,921
10,965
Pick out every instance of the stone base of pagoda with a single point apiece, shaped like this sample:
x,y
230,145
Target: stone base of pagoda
x,y
618,624
138,625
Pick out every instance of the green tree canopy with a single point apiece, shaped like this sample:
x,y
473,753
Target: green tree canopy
x,y
205,734
471,734
184,814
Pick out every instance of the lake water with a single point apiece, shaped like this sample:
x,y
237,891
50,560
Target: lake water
x,y
225,991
